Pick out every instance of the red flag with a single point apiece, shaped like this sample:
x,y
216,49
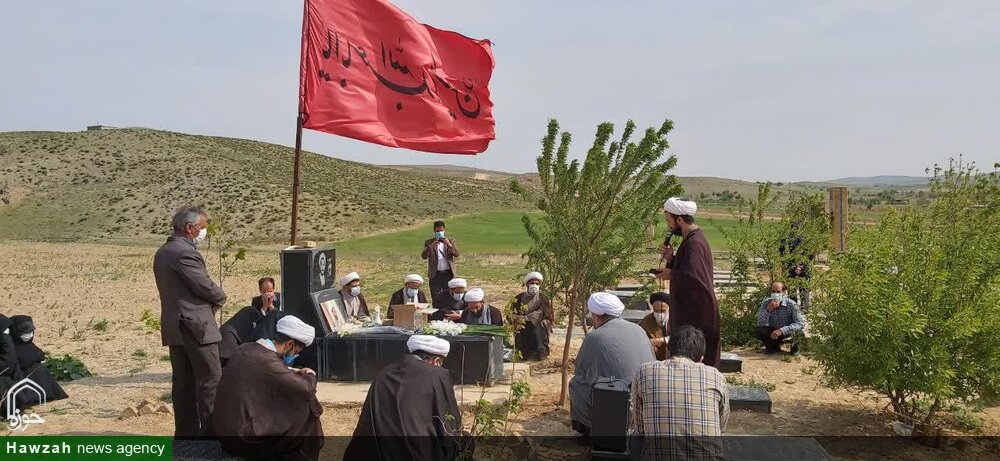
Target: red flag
x,y
372,72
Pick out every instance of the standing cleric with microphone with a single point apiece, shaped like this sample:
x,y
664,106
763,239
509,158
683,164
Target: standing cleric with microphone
x,y
440,253
690,272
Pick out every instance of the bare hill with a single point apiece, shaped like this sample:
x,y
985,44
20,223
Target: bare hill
x,y
124,184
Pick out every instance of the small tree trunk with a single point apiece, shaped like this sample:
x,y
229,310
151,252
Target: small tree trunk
x,y
930,414
571,301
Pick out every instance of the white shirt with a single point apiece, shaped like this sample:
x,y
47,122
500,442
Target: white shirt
x,y
442,260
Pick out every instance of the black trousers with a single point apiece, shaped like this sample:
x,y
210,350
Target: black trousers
x,y
439,282
196,373
764,333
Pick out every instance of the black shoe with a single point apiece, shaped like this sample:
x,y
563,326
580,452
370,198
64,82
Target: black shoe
x,y
795,349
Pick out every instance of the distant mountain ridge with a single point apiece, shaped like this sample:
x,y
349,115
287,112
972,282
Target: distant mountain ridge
x,y
884,180
125,183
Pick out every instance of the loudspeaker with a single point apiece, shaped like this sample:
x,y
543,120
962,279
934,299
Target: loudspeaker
x,y
305,271
609,410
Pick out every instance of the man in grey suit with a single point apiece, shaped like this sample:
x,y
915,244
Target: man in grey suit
x,y
188,302
440,253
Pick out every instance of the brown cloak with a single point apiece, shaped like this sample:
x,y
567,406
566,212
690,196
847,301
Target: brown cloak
x,y
692,293
533,338
654,330
410,414
263,410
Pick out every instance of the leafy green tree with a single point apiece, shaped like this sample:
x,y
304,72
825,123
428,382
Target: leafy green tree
x,y
911,309
595,215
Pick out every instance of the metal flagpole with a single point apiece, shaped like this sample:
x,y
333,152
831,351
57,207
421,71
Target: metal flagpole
x,y
295,178
298,128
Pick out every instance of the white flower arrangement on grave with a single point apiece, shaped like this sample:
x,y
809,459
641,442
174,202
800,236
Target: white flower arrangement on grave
x,y
349,328
443,328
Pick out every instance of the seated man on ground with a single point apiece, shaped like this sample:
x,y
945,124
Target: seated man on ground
x,y
29,360
477,312
411,408
409,294
264,409
354,301
655,324
269,299
449,303
253,322
534,312
10,372
779,319
613,350
680,406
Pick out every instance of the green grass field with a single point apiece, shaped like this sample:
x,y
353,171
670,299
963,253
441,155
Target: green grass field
x,y
487,233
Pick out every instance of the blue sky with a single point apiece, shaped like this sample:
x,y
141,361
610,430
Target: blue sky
x,y
778,90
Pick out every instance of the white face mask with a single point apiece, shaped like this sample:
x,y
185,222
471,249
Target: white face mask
x,y
778,296
355,291
27,336
533,289
411,292
201,236
457,296
661,317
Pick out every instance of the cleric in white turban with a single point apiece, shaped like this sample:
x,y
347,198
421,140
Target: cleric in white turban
x,y
449,303
533,311
429,344
293,328
354,301
258,380
680,207
409,294
691,276
477,312
412,399
614,349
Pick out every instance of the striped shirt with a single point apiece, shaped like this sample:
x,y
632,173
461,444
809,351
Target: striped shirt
x,y
680,408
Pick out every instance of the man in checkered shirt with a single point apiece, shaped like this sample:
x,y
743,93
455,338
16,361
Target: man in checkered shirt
x,y
779,319
680,406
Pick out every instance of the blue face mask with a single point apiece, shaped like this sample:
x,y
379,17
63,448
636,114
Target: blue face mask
x,y
439,234
411,292
290,359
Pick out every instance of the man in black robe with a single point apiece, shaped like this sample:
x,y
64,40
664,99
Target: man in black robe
x,y
29,360
477,312
246,325
692,284
449,303
409,294
10,372
264,409
411,412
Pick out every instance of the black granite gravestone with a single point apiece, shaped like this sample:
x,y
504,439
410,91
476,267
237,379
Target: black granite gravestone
x,y
359,357
749,398
773,448
731,363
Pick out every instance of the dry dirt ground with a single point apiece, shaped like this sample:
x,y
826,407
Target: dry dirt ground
x,y
71,288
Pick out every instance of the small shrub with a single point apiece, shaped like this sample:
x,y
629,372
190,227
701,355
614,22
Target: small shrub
x,y
66,367
165,358
139,354
149,320
101,326
735,381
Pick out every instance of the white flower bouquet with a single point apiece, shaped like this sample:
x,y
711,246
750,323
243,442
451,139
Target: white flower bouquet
x,y
443,328
349,328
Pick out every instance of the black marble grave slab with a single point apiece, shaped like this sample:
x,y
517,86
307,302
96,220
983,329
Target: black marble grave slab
x,y
773,448
749,398
360,357
731,363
